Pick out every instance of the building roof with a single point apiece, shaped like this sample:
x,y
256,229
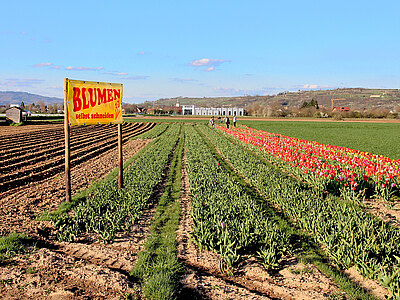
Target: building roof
x,y
17,107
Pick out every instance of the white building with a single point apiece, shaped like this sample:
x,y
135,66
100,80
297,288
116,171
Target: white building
x,y
212,111
187,109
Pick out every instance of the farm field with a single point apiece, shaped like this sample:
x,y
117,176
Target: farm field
x,y
375,136
378,138
203,213
33,156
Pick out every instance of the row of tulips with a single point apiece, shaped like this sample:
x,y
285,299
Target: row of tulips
x,y
110,210
342,171
227,218
159,129
350,236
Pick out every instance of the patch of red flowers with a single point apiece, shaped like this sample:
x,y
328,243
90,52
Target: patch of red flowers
x,y
324,164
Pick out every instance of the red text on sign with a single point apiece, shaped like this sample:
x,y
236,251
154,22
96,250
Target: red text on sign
x,y
84,98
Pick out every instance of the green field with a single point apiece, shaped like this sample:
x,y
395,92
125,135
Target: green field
x,y
377,138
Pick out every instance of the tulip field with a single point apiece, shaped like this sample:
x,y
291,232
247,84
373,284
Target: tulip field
x,y
227,217
316,192
220,202
239,177
342,171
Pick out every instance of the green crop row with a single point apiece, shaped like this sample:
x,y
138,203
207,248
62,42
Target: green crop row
x,y
110,209
156,131
350,236
227,217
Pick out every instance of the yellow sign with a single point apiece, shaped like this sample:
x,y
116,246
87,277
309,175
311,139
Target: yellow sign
x,y
91,102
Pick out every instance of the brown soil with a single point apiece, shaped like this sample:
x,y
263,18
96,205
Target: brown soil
x,y
87,269
12,130
370,285
203,278
84,270
34,156
250,118
385,212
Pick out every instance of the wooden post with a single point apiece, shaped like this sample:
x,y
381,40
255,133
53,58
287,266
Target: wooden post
x,y
121,162
67,145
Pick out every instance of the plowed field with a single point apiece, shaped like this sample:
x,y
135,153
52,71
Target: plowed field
x,y
27,157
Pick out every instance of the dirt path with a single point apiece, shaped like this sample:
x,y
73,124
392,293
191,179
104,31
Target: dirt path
x,y
250,280
382,211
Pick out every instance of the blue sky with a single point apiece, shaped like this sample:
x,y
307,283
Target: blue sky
x,y
199,48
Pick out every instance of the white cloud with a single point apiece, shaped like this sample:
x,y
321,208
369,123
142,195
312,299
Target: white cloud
x,y
310,86
315,86
143,53
43,65
207,63
221,89
83,68
71,68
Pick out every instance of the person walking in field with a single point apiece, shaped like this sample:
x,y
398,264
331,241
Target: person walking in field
x,y
212,122
234,121
227,122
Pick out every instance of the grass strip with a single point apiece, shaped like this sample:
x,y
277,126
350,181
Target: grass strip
x,y
81,196
158,267
13,244
309,251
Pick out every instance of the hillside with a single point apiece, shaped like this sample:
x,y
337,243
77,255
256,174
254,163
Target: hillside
x,y
355,99
18,97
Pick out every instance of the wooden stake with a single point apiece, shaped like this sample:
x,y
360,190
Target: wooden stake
x,y
121,166
67,145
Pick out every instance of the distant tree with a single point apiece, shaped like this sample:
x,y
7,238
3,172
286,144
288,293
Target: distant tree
x,y
129,108
305,104
32,107
312,103
57,107
42,106
51,109
22,105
